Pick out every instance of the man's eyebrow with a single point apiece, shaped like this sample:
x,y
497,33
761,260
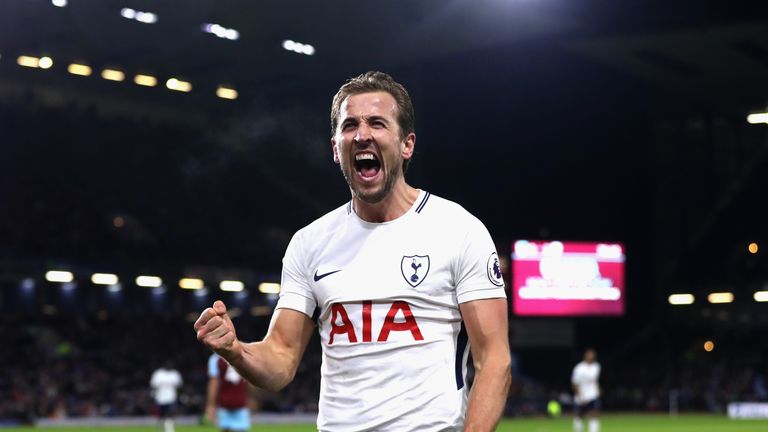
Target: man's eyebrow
x,y
371,118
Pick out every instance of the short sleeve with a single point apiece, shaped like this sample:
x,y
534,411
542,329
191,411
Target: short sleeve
x,y
295,292
213,366
478,270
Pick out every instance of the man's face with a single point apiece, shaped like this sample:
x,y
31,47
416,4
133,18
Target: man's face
x,y
368,146
590,356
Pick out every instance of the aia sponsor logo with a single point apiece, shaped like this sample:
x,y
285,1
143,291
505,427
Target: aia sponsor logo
x,y
342,326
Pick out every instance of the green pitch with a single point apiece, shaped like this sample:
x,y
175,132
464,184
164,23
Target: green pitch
x,y
610,423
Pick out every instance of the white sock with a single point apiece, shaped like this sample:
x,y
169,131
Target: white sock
x,y
168,425
578,426
594,425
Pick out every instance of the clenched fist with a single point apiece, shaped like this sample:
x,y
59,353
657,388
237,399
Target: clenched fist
x,y
215,329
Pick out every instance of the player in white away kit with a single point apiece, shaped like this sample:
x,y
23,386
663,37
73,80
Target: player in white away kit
x,y
586,391
403,281
165,383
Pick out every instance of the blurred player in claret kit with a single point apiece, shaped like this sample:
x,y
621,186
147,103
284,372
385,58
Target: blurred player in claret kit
x,y
226,402
404,282
586,391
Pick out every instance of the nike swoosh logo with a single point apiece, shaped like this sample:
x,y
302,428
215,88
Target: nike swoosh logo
x,y
318,277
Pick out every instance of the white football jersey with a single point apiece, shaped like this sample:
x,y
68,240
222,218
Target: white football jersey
x,y
164,383
585,377
388,294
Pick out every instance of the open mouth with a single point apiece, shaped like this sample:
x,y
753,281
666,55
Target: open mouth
x,y
367,165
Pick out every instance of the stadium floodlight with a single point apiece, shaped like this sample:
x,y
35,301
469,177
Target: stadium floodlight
x,y
681,299
46,62
298,47
178,85
720,297
104,279
146,17
149,281
221,31
191,283
753,248
269,288
28,61
757,118
226,93
128,13
59,276
113,75
761,296
143,17
59,3
145,80
79,69
231,285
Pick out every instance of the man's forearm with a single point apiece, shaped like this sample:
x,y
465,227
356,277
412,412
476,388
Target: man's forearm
x,y
263,366
488,395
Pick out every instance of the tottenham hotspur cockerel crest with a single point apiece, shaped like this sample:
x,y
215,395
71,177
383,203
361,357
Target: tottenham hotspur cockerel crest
x,y
414,268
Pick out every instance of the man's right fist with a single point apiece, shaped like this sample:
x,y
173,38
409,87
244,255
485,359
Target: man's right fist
x,y
215,329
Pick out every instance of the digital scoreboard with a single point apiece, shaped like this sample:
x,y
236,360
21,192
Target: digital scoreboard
x,y
554,278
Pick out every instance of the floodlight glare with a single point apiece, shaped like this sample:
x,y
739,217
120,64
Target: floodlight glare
x,y
720,297
226,93
191,283
178,85
104,279
112,75
28,61
59,276
145,80
757,118
269,288
149,281
681,299
79,69
46,62
231,285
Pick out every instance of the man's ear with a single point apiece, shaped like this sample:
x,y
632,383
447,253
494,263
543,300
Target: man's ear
x,y
408,146
335,150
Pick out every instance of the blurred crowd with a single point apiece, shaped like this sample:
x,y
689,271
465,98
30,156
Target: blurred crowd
x,y
74,367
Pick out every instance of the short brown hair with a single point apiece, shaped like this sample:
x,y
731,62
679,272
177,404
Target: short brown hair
x,y
374,81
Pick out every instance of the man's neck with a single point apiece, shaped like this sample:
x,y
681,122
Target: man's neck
x,y
394,205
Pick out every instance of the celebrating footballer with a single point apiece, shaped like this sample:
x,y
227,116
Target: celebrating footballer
x,y
401,283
